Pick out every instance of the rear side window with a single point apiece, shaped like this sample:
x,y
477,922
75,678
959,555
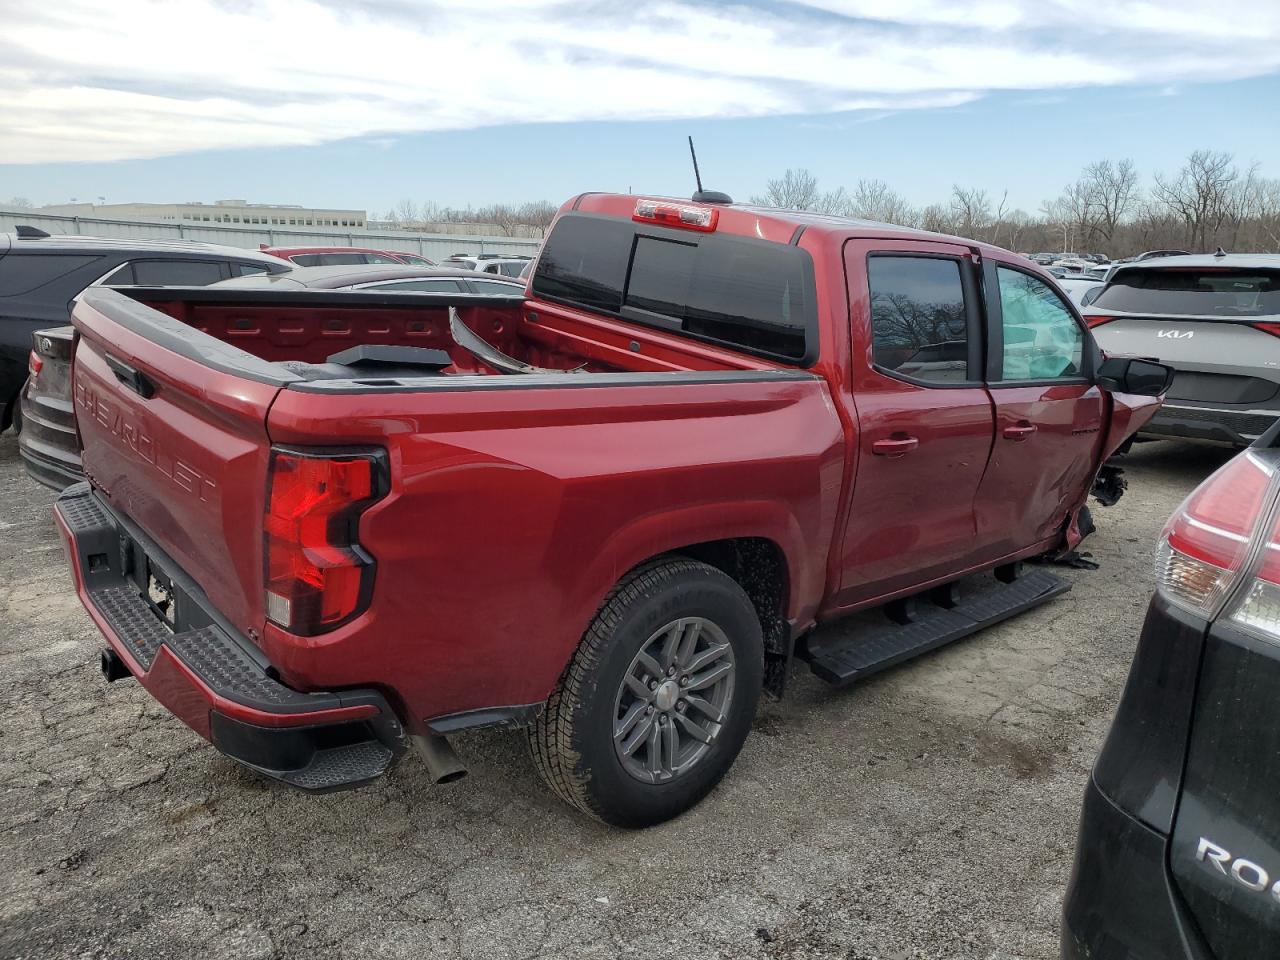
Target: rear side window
x,y
340,259
432,286
1211,292
750,295
23,272
247,269
305,259
919,323
176,273
491,288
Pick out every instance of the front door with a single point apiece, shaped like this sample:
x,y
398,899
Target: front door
x,y
924,416
1049,414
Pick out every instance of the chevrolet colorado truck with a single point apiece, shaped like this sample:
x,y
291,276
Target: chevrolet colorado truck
x,y
325,527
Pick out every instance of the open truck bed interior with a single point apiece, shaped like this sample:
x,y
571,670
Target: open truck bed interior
x,y
293,338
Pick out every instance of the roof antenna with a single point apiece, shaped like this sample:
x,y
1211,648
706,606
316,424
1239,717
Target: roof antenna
x,y
705,196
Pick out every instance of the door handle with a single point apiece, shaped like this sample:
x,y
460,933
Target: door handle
x,y
1019,431
895,446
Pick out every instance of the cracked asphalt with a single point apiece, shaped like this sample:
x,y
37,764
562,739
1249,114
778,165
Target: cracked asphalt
x,y
929,812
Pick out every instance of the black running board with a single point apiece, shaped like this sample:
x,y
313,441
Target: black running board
x,y
882,647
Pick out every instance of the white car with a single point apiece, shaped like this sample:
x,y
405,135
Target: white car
x,y
1081,290
486,263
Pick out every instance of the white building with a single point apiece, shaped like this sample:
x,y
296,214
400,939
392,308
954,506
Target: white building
x,y
223,212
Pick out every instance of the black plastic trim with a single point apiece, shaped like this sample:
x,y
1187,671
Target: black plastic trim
x,y
448,384
520,715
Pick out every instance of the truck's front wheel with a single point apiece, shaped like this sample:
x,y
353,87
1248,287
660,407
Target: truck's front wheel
x,y
658,699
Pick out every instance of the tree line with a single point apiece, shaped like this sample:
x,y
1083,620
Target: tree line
x,y
1210,201
513,219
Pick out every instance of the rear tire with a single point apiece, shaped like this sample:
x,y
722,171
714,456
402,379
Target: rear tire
x,y
658,699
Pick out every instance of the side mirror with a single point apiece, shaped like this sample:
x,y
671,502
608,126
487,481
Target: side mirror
x,y
1143,378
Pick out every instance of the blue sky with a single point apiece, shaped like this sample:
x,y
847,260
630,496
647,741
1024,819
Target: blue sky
x,y
361,105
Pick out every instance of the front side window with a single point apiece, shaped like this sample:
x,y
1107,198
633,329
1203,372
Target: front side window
x,y
1042,340
919,323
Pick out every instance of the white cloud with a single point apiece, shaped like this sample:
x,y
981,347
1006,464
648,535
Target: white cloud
x,y
81,80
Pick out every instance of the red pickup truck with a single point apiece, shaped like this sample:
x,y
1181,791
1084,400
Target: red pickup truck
x,y
322,527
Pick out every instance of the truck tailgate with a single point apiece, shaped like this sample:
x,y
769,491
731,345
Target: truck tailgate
x,y
177,446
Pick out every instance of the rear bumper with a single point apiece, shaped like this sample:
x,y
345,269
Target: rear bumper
x,y
1221,425
1120,903
48,443
216,682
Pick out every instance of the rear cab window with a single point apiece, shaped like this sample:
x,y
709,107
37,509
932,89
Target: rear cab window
x,y
1186,292
750,295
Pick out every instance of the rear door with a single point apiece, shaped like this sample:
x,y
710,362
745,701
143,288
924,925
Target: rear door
x,y
924,417
1048,413
175,439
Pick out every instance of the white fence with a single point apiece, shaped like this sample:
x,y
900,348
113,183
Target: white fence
x,y
433,245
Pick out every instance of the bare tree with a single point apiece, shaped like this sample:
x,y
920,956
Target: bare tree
x,y
795,190
970,210
538,215
1111,191
1268,214
876,200
1199,194
405,213
19,203
937,218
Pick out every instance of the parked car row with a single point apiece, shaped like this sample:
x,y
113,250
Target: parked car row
x,y
41,275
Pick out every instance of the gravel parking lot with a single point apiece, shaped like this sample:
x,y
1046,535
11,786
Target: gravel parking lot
x,y
929,812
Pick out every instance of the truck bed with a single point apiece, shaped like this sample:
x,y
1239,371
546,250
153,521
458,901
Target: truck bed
x,y
654,444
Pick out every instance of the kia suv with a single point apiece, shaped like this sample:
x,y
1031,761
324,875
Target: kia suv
x,y
1216,321
1179,850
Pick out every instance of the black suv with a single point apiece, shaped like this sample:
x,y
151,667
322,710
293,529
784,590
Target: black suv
x,y
1179,851
39,277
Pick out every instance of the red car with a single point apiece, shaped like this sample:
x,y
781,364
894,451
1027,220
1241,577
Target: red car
x,y
321,526
344,256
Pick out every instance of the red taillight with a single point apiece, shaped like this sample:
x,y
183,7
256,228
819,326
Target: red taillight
x,y
34,364
1097,320
1270,327
1205,544
318,577
685,216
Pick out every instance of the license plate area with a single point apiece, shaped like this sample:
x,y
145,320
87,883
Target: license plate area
x,y
161,595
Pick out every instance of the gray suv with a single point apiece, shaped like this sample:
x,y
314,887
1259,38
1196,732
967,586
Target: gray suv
x,y
1216,321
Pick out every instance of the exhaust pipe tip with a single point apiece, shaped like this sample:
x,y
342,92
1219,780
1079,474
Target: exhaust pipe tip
x,y
443,764
113,667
